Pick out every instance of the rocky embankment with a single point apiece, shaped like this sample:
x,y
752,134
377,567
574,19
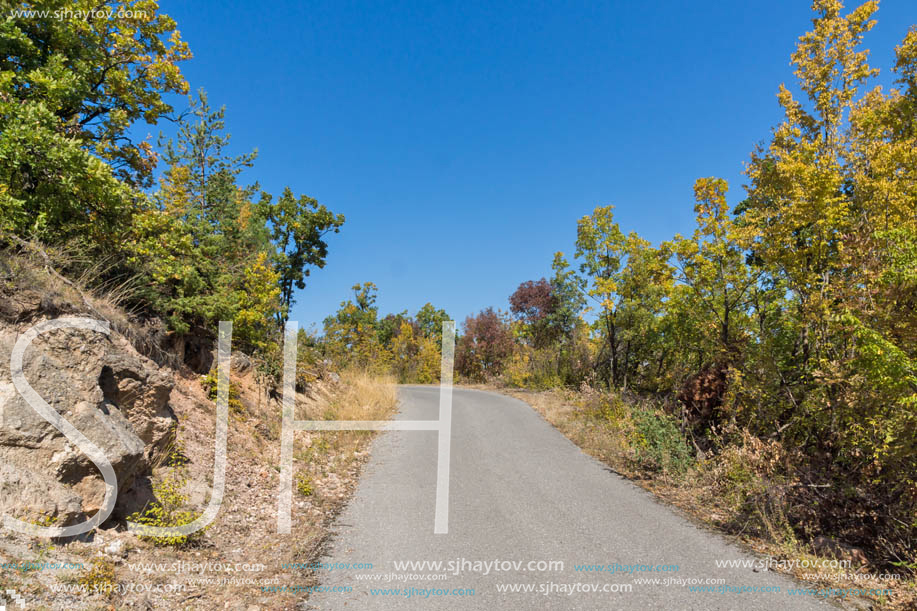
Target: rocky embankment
x,y
101,385
141,396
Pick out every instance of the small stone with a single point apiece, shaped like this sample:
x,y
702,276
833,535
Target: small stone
x,y
115,548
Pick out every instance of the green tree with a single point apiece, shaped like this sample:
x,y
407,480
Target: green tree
x,y
712,264
646,283
603,248
351,334
298,228
212,232
430,320
70,89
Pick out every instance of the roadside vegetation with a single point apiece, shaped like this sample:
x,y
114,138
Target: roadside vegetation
x,y
761,371
766,363
164,239
189,245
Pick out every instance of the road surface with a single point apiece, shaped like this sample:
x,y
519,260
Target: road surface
x,y
522,493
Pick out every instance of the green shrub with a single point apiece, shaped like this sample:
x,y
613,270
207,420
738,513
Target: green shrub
x,y
209,382
304,485
658,443
167,512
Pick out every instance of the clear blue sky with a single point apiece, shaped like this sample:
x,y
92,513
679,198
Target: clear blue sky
x,y
463,140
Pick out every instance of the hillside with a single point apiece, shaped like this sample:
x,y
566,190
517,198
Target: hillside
x,y
116,395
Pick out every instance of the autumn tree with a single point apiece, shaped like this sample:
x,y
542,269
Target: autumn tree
x,y
351,333
644,288
485,344
601,244
712,265
830,219
533,303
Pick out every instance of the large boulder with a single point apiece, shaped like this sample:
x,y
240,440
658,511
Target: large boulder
x,y
117,398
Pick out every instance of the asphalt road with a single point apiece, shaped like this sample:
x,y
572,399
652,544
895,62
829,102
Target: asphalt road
x,y
521,492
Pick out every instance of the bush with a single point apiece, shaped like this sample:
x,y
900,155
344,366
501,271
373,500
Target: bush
x,y
304,485
100,578
209,382
658,443
167,512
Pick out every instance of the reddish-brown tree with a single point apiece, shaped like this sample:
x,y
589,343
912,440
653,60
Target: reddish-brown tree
x,y
486,343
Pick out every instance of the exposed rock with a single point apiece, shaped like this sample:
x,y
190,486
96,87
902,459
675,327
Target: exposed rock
x,y
19,306
116,548
240,363
103,387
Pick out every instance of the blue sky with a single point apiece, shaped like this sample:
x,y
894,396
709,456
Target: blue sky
x,y
463,140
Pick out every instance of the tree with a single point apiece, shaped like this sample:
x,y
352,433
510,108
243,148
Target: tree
x,y
712,264
212,230
568,290
602,247
97,75
298,228
201,169
70,89
797,211
389,326
533,303
430,320
644,287
415,357
352,333
830,220
485,345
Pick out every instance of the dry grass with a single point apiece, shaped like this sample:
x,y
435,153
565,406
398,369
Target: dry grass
x,y
362,397
34,271
327,464
327,459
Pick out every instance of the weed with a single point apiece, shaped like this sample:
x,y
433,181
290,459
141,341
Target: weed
x,y
99,578
304,485
209,382
658,443
167,512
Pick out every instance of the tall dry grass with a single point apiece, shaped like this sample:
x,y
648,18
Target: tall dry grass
x,y
363,396
336,456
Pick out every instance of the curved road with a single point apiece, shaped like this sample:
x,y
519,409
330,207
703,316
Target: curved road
x,y
520,493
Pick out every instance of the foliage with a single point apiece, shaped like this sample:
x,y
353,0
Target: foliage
x,y
789,320
430,320
100,578
167,511
69,91
304,485
658,443
405,346
94,77
601,246
297,229
484,346
533,303
209,382
712,267
201,248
